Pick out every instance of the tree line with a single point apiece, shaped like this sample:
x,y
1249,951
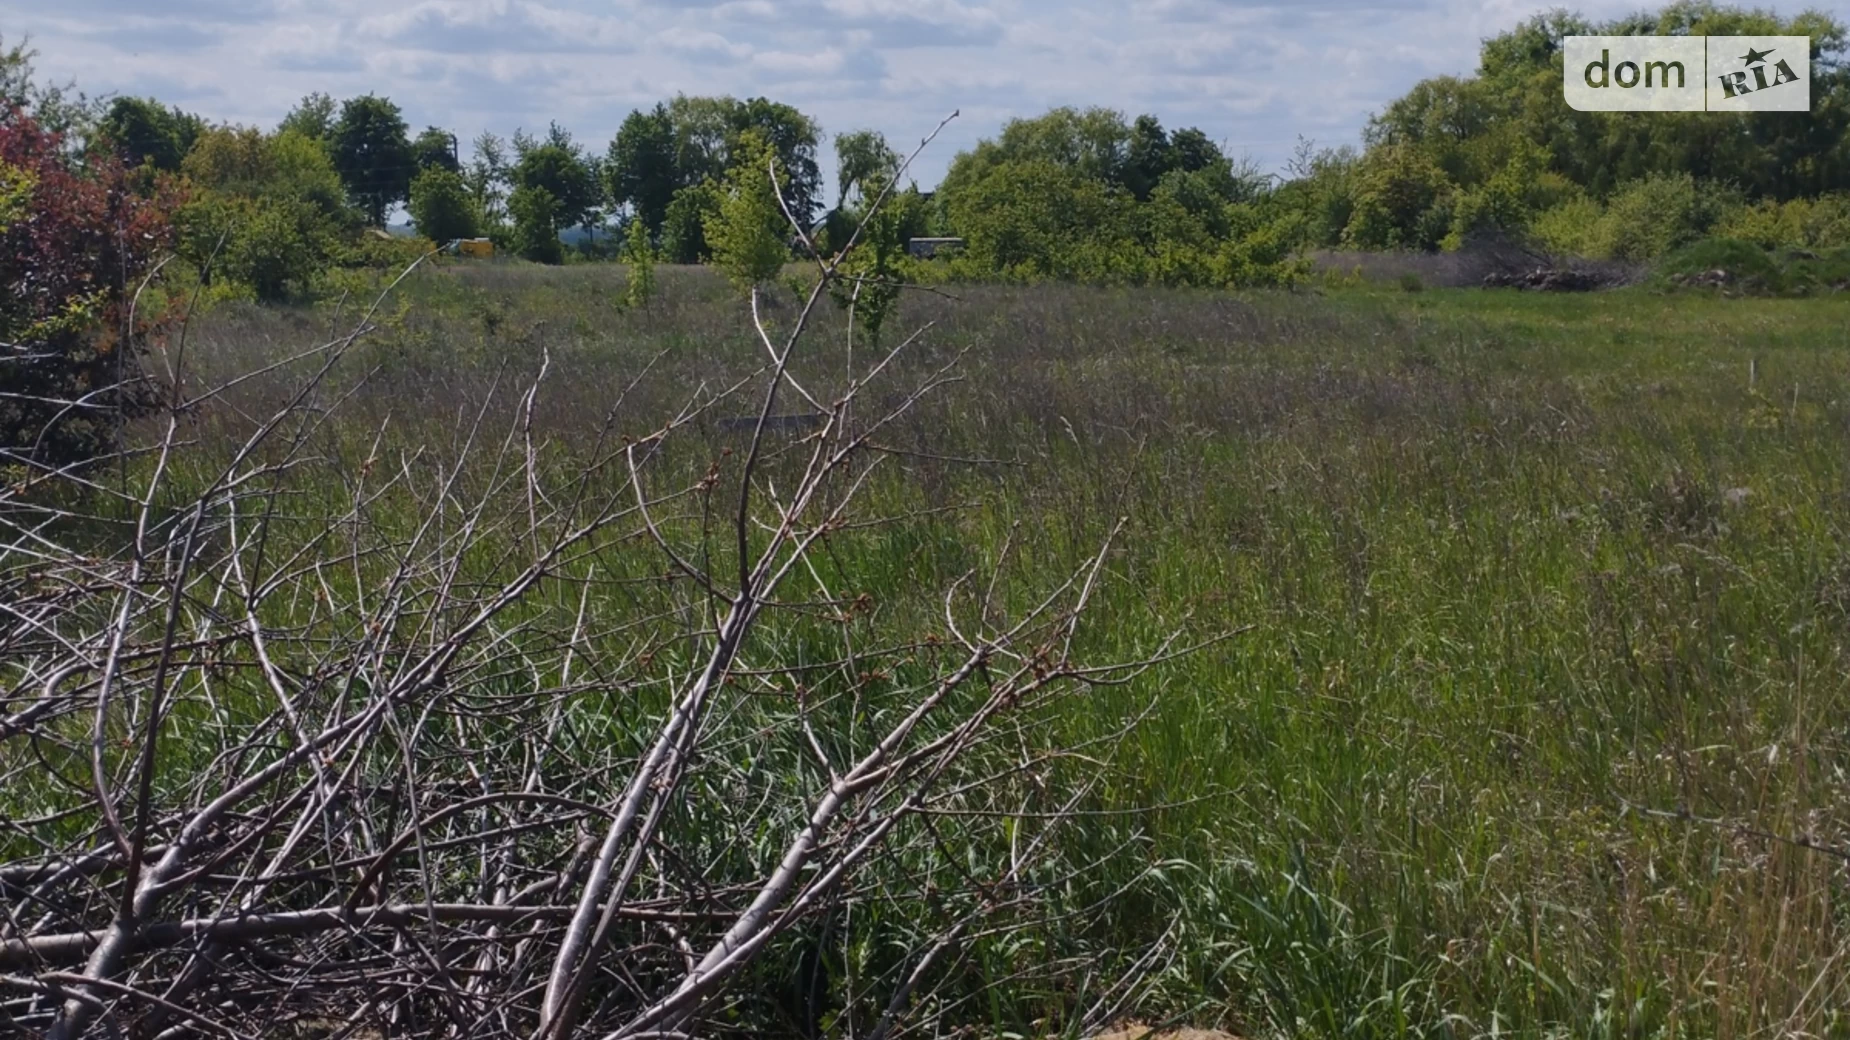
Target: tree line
x,y
1089,194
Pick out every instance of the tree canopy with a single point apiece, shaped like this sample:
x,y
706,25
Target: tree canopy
x,y
373,155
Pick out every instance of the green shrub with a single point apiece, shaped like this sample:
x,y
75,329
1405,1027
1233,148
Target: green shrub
x,y
1651,217
1403,202
375,250
1820,223
536,225
1645,220
684,226
639,258
1572,227
1741,266
441,206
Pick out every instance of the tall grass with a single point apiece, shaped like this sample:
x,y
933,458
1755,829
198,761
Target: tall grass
x,y
1542,604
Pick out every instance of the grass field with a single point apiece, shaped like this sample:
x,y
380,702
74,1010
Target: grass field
x,y
1535,678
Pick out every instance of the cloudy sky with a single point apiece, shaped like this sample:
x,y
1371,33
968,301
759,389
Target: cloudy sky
x,y
1254,74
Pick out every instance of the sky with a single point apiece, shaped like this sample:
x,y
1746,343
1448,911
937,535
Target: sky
x,y
1254,75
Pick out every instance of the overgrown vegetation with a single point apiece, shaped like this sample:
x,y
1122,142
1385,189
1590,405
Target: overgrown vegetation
x,y
1541,654
377,663
1093,196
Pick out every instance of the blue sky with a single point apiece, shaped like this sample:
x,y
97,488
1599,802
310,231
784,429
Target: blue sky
x,y
1254,75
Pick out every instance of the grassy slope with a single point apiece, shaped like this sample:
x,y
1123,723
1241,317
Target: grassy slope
x,y
1511,564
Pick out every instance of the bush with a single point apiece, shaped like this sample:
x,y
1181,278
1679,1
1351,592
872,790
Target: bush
x,y
441,206
1645,220
1403,202
1573,227
267,215
536,225
1026,221
376,250
1651,217
684,227
1813,224
1739,266
73,246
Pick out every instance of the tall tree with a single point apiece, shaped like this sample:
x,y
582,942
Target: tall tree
x,y
313,117
488,176
793,137
144,132
1092,144
1147,157
1191,150
536,224
862,158
562,170
436,147
703,131
707,133
373,154
639,167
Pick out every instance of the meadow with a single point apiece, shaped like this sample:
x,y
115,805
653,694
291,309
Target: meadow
x,y
1518,703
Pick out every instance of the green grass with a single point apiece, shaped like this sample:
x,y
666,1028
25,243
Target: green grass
x,y
1514,575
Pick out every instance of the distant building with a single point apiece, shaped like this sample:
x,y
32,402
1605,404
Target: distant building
x,y
926,248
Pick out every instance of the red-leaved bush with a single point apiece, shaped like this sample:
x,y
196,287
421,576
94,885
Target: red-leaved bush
x,y
74,246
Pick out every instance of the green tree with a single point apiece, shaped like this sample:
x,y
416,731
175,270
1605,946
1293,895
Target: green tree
x,y
60,109
1147,156
314,117
1191,149
703,131
1033,220
793,138
435,147
639,259
535,212
1472,128
267,211
560,168
144,132
708,135
1399,201
441,206
862,158
639,167
684,225
373,155
870,278
1093,144
749,234
487,177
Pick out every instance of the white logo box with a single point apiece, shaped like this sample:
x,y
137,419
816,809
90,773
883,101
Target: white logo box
x,y
1687,73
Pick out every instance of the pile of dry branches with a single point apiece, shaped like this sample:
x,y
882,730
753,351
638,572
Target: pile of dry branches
x,y
512,742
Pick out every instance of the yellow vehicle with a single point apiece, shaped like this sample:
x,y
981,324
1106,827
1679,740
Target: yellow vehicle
x,y
479,248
